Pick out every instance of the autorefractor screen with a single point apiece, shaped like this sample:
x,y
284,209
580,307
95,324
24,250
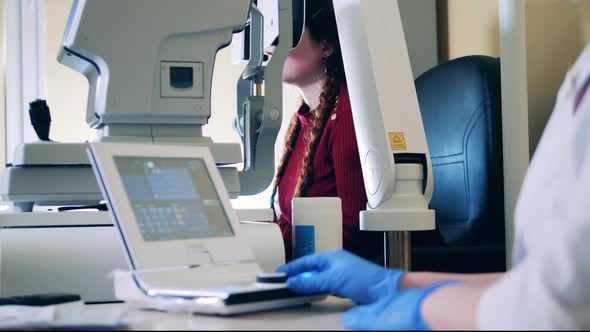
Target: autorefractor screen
x,y
173,198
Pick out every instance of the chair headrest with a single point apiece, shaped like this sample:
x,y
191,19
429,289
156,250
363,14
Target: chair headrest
x,y
460,103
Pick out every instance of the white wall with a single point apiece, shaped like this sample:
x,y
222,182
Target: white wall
x,y
419,21
67,90
473,28
2,98
551,50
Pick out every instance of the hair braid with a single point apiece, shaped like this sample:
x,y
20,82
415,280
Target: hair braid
x,y
320,118
289,144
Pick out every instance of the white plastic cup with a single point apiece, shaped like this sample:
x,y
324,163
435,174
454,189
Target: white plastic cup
x,y
317,225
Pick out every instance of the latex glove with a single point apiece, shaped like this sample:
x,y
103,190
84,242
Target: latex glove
x,y
398,311
341,273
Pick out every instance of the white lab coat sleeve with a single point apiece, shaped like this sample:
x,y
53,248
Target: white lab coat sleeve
x,y
550,288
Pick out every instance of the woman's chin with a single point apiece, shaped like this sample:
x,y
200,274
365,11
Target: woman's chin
x,y
288,80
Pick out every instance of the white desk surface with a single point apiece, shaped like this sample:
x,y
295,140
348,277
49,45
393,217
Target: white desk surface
x,y
323,315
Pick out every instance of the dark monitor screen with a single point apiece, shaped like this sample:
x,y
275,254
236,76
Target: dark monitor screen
x,y
173,198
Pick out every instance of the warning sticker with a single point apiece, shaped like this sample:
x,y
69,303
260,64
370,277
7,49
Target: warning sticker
x,y
397,141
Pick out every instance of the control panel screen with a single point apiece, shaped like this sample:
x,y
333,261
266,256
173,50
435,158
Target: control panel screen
x,y
173,198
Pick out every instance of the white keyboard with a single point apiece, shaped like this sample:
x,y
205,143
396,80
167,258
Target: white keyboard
x,y
200,282
210,278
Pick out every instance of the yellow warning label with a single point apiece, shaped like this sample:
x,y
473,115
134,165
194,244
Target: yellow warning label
x,y
397,141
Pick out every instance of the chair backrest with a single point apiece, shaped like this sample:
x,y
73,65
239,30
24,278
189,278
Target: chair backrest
x,y
461,105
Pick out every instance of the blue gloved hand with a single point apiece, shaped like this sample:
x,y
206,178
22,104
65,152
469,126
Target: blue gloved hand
x,y
341,273
397,311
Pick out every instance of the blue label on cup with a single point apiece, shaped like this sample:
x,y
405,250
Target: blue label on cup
x,y
304,240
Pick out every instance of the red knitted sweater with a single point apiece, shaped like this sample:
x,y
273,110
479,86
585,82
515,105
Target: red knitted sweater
x,y
336,172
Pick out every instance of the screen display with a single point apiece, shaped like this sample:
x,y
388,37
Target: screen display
x,y
173,198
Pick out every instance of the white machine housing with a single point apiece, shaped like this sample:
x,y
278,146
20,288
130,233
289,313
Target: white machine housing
x,y
392,144
133,86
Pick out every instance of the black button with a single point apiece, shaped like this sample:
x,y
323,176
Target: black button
x,y
271,278
181,77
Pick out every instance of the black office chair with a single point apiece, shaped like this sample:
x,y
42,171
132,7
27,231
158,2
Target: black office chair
x,y
461,109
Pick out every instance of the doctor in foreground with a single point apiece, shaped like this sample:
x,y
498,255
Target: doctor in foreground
x,y
549,285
